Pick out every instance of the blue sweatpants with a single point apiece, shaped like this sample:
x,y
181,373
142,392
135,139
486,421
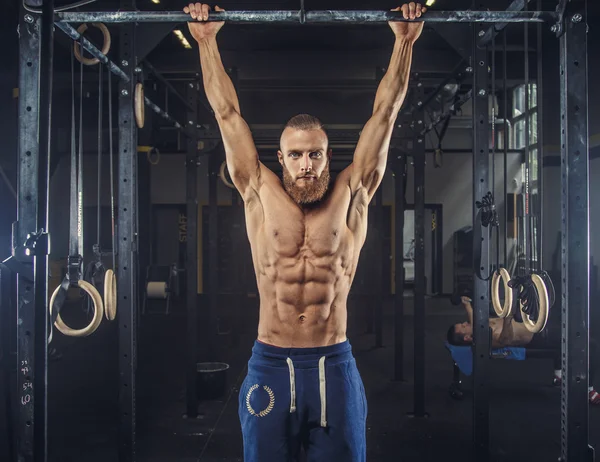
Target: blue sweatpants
x,y
311,397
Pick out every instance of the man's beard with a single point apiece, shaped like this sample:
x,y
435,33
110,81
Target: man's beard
x,y
312,191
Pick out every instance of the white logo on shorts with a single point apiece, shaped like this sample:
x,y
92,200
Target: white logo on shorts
x,y
265,411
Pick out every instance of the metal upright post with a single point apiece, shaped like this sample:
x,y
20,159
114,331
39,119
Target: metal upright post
x,y
27,201
40,246
191,264
213,257
127,243
481,302
575,235
380,258
399,162
419,304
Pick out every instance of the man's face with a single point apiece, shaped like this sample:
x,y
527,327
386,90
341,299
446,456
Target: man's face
x,y
305,163
465,330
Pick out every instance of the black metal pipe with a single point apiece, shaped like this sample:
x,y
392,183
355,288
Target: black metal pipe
x,y
311,17
399,163
419,285
486,36
27,184
379,259
213,258
575,227
71,32
460,67
191,259
167,84
162,113
127,247
40,380
481,302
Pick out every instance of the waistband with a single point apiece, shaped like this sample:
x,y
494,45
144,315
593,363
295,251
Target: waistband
x,y
303,358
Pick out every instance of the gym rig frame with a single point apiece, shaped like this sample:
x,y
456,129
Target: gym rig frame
x,y
31,239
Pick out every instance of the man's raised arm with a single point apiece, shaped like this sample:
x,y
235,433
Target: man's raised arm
x,y
370,157
241,154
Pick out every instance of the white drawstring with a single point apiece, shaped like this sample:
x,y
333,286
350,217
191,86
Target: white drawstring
x,y
292,385
323,390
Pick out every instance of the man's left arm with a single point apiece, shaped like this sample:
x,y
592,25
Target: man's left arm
x,y
370,157
506,336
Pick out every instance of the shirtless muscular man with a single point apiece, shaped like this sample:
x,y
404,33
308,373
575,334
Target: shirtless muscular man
x,y
303,387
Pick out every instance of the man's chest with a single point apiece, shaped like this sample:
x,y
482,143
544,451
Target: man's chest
x,y
296,235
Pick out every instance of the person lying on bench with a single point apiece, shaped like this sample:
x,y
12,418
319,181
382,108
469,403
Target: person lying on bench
x,y
506,332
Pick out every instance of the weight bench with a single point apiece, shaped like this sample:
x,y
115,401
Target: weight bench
x,y
462,357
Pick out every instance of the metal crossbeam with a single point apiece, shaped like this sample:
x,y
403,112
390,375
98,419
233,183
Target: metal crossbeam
x,y
308,17
488,35
91,48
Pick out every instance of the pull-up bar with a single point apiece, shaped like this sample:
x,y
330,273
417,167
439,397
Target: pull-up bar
x,y
309,17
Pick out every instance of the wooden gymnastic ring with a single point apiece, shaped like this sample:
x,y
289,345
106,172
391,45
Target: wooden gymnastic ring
x,y
539,325
223,175
139,105
502,310
110,295
98,309
105,46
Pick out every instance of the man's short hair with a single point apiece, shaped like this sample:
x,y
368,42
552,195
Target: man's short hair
x,y
456,339
304,122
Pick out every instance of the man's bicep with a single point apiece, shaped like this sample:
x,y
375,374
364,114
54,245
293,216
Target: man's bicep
x,y
370,157
240,152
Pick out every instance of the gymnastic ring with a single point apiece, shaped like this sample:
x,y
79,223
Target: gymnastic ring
x,y
105,46
98,309
139,105
223,175
502,310
539,325
153,160
110,295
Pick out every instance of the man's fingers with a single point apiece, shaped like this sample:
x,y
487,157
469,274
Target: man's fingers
x,y
412,9
405,11
218,8
194,10
186,10
205,10
418,10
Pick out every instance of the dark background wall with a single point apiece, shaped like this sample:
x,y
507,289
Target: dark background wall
x,y
267,57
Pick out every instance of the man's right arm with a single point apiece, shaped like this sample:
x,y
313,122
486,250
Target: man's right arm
x,y
242,157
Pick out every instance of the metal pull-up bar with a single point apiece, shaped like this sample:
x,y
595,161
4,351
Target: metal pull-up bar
x,y
309,17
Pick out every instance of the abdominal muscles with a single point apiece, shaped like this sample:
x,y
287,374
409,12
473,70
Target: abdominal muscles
x,y
303,295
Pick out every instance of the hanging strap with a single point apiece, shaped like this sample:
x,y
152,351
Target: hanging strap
x,y
95,271
111,168
75,258
485,221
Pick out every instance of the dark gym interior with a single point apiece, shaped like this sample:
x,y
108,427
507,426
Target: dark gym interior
x,y
191,308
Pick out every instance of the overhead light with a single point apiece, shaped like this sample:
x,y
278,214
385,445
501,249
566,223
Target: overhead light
x,y
427,3
156,1
182,38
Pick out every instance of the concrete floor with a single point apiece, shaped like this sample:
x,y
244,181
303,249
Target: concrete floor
x,y
83,398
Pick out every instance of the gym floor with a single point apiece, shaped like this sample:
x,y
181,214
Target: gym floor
x,y
83,398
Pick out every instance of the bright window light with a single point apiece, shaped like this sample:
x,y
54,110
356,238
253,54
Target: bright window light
x,y
182,38
156,1
427,3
